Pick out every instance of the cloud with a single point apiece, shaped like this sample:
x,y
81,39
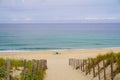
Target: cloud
x,y
23,1
45,3
100,18
42,10
27,19
14,19
21,19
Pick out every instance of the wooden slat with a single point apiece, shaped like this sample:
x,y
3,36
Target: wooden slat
x,y
98,71
25,69
104,69
32,77
83,65
8,69
93,69
112,75
37,67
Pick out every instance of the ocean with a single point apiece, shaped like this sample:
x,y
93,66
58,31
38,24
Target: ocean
x,y
34,37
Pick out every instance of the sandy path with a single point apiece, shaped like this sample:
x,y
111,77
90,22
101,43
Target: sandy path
x,y
60,70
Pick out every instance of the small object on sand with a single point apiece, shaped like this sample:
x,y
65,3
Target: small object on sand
x,y
56,53
78,67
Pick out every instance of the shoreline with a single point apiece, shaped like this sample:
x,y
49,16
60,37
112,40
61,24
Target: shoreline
x,y
9,51
63,54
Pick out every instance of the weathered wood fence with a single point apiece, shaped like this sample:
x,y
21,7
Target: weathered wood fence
x,y
40,65
96,69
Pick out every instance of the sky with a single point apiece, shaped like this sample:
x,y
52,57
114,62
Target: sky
x,y
59,11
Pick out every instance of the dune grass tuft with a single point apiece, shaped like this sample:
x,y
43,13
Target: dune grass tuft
x,y
15,63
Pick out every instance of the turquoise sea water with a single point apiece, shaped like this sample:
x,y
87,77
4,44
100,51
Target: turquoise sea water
x,y
28,37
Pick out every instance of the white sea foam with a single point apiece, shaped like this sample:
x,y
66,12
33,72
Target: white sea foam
x,y
15,51
58,49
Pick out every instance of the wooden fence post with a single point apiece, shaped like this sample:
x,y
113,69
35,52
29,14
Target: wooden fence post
x,y
43,64
104,69
37,68
86,67
74,63
112,75
8,69
80,63
32,77
77,64
25,69
70,61
89,71
98,71
83,65
93,69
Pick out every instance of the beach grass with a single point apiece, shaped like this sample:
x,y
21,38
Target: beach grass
x,y
93,62
15,64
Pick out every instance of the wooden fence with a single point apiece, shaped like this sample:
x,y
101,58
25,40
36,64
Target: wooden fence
x,y
82,64
40,65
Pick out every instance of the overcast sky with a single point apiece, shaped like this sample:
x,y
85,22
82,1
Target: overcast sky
x,y
47,11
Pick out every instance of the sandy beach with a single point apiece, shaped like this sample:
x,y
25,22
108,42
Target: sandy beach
x,y
58,68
